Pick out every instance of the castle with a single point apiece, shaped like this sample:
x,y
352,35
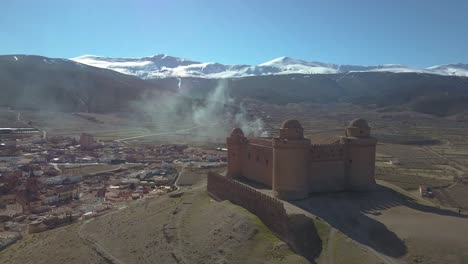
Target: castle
x,y
294,168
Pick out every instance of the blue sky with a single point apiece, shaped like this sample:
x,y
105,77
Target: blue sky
x,y
412,32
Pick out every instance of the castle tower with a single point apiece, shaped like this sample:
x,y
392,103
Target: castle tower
x,y
290,171
360,150
234,153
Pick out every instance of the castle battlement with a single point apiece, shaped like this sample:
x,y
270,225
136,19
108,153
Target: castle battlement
x,y
326,152
261,141
294,167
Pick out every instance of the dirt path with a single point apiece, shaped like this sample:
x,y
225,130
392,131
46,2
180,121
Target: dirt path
x,y
98,248
330,245
178,177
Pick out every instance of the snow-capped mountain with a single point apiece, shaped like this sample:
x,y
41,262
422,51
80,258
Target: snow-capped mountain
x,y
451,69
162,66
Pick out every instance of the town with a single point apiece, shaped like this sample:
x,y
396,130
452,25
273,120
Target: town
x,y
46,182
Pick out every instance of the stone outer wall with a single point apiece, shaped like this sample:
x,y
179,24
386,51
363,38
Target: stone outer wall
x,y
270,210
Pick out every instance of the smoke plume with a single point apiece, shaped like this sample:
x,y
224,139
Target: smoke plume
x,y
208,119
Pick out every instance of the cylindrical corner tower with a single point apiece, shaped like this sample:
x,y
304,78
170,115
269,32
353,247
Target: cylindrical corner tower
x,y
290,170
360,149
234,153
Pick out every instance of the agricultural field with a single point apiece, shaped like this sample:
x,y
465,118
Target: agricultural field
x,y
409,156
408,181
439,166
459,193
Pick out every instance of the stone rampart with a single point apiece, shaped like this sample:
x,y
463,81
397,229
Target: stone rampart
x,y
270,210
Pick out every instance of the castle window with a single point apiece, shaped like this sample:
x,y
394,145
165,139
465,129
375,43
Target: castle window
x,y
266,162
258,158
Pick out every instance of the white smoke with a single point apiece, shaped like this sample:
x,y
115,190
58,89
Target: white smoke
x,y
213,118
217,109
249,127
179,84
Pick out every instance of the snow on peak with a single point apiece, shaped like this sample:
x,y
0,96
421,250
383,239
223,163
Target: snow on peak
x,y
163,66
284,61
458,69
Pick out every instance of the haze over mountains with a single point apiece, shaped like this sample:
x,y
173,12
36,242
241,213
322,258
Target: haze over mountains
x,y
36,82
163,66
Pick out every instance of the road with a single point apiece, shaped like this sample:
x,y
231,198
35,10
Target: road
x,y
55,166
169,132
330,245
160,133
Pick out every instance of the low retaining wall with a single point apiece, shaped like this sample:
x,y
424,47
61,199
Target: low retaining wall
x,y
270,210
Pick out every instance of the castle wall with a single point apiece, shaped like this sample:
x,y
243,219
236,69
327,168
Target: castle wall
x,y
290,174
360,163
326,176
326,152
257,161
270,210
293,167
326,168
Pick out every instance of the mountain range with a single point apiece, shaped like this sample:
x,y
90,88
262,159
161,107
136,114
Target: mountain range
x,y
42,83
37,82
164,66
